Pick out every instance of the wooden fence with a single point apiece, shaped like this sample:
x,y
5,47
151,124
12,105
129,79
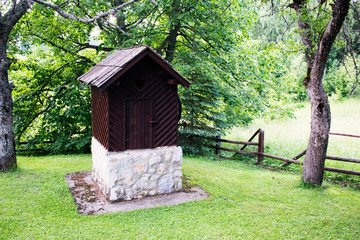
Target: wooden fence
x,y
33,149
261,154
259,144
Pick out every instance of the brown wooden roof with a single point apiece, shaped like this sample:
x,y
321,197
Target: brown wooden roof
x,y
103,74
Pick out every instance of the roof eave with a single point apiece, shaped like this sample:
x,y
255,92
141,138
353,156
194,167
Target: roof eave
x,y
146,51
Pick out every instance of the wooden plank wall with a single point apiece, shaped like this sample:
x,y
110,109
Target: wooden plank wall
x,y
166,110
140,115
155,87
109,108
99,108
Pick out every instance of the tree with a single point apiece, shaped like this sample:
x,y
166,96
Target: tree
x,y
230,74
317,48
10,14
207,41
7,138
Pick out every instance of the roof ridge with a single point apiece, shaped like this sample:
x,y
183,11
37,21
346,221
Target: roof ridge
x,y
101,75
138,46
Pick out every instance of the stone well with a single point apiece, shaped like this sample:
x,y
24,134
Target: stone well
x,y
133,174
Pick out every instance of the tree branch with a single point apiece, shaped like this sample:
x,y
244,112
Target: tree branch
x,y
37,93
61,48
340,10
42,111
84,20
88,45
100,15
96,47
13,15
64,3
299,7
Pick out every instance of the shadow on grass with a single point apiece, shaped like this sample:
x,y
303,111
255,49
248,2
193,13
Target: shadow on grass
x,y
309,185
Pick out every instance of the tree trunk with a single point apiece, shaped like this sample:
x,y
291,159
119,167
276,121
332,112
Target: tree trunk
x,y
316,58
169,44
313,168
7,137
120,21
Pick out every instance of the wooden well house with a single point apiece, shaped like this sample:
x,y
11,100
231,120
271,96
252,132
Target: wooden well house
x,y
135,105
134,100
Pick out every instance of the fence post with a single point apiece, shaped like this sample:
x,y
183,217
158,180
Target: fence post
x,y
260,147
218,144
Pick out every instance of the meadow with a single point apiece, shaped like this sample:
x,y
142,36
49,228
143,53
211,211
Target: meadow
x,y
288,137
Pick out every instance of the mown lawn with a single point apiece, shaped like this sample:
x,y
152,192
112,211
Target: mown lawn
x,y
247,202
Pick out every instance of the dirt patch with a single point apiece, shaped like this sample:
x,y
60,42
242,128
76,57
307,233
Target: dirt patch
x,y
89,199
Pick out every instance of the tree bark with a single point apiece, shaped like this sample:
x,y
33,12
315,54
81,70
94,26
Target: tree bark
x,y
7,136
313,168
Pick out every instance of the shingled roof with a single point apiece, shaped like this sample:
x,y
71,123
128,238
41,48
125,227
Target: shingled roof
x,y
103,74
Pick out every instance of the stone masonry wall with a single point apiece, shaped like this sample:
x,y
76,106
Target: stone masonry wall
x,y
136,173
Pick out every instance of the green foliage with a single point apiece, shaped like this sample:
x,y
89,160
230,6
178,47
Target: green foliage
x,y
277,27
253,87
50,105
335,81
243,63
234,79
277,24
342,70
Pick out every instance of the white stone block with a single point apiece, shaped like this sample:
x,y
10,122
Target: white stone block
x,y
136,173
166,184
161,168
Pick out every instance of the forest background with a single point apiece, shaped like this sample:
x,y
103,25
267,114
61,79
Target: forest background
x,y
244,59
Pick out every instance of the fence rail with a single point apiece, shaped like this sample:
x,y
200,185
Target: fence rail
x,y
261,154
33,149
260,144
345,135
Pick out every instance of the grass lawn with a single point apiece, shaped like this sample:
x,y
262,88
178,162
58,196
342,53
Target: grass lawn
x,y
247,202
288,137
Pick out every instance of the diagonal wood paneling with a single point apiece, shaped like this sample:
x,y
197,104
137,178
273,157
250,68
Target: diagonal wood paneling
x,y
117,120
166,113
99,108
153,92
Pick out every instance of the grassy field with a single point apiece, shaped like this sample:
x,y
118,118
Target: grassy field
x,y
288,137
247,202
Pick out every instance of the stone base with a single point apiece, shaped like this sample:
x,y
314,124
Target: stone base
x,y
136,173
89,200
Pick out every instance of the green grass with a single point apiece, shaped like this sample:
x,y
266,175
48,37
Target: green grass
x,y
247,202
288,137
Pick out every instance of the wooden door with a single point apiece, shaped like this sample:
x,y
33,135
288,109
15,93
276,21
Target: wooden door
x,y
140,120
